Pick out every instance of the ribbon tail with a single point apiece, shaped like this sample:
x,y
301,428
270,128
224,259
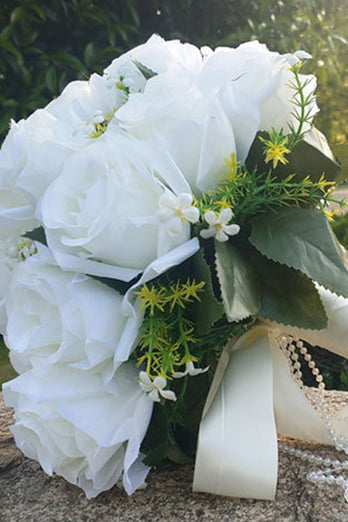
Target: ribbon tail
x,y
237,453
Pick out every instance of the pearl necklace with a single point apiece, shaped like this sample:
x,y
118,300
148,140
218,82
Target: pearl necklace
x,y
333,471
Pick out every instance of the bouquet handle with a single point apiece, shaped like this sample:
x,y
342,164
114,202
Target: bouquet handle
x,y
253,396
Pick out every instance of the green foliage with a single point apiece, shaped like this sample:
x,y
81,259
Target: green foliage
x,y
238,282
254,192
302,239
173,429
302,102
167,333
288,296
44,44
310,156
208,310
340,227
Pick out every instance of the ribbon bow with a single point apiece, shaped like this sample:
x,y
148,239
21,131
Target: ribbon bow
x,y
253,396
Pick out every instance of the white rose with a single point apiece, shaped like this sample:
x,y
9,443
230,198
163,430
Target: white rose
x,y
28,163
13,250
73,426
100,214
60,317
35,149
83,110
190,127
253,85
158,56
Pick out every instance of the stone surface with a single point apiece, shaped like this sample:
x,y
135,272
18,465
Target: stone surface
x,y
27,494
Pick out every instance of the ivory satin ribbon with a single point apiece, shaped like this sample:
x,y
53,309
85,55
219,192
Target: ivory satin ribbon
x,y
252,397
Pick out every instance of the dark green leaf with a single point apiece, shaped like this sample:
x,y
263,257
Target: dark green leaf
x,y
302,239
115,284
312,157
38,234
63,80
208,310
6,32
70,60
89,53
10,103
238,282
134,14
39,11
288,296
341,150
26,76
111,36
156,441
8,46
51,79
145,71
17,14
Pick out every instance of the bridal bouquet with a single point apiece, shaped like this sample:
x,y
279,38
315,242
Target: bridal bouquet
x,y
160,224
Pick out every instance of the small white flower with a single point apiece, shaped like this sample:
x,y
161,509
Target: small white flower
x,y
89,123
16,249
128,79
175,211
155,388
298,56
218,226
191,370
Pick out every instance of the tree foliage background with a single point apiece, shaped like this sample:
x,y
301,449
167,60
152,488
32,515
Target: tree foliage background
x,y
44,44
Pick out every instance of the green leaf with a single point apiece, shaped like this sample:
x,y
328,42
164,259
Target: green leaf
x,y
302,239
26,76
17,14
145,71
341,150
156,441
70,61
120,286
312,157
8,46
288,296
38,234
6,32
10,103
63,80
89,53
238,282
134,14
51,79
39,11
208,310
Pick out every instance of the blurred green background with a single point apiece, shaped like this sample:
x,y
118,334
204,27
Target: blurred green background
x,y
44,44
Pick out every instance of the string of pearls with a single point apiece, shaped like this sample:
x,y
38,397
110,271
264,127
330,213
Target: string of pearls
x,y
332,473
